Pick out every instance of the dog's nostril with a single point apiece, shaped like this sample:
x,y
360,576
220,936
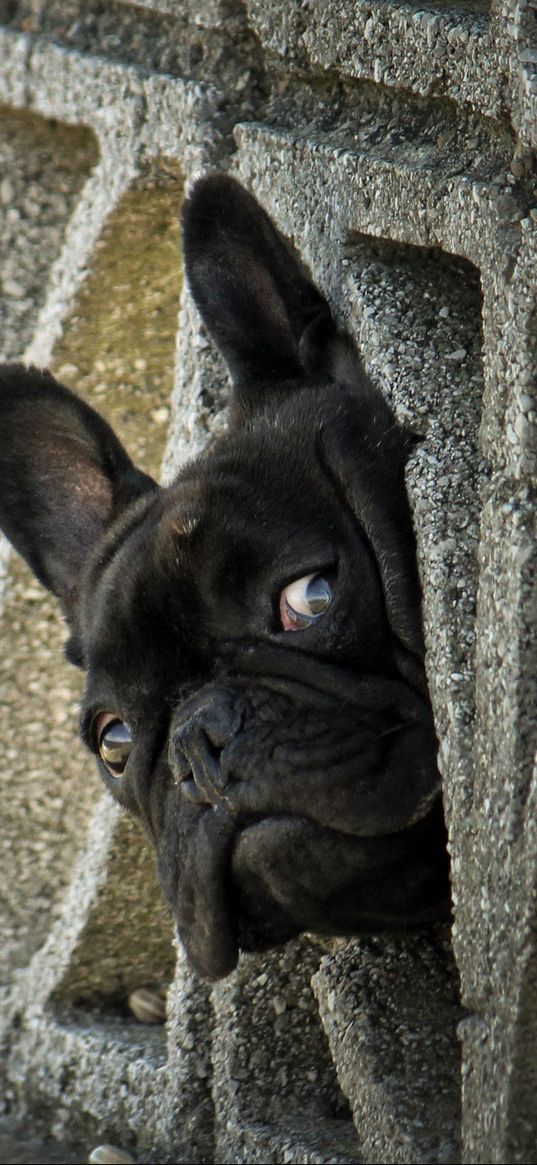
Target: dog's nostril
x,y
220,721
179,762
192,792
197,743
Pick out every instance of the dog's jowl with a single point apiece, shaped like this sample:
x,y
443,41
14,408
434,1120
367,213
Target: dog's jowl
x,y
251,635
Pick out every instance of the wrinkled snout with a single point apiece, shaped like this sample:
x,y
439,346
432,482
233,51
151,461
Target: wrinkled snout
x,y
201,730
300,813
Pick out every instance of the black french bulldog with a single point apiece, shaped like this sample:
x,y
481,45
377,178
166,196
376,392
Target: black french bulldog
x,y
255,691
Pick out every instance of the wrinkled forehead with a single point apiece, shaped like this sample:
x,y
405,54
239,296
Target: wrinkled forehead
x,y
258,503
266,476
135,593
265,512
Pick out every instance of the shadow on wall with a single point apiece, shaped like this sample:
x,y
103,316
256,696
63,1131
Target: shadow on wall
x,y
117,350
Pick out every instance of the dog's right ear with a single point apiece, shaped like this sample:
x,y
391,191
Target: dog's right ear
x,y
64,477
270,322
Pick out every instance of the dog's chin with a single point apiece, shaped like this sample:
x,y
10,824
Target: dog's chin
x,y
259,885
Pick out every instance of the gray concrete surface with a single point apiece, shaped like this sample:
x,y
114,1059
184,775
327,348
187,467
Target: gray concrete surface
x,y
395,144
20,1146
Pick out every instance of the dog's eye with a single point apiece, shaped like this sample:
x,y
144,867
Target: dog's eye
x,y
303,601
114,742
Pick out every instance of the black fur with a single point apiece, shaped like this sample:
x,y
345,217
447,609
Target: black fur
x,y
287,778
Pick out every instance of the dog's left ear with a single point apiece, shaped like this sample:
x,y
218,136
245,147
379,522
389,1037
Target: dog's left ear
x,y
266,316
64,477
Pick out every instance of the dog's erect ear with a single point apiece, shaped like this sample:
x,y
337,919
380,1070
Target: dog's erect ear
x,y
267,317
64,477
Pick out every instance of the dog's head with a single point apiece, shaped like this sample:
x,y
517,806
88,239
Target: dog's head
x,y
251,634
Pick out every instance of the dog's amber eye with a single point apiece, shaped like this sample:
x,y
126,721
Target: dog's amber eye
x,y
114,742
303,601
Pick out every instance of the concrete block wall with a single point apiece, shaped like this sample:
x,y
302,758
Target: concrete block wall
x,y
394,143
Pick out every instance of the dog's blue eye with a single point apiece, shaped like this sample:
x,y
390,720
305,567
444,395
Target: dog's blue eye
x,y
114,742
303,601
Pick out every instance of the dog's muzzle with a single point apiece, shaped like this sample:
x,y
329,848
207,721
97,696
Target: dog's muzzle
x,y
298,812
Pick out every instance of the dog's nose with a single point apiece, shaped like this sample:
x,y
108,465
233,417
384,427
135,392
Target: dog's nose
x,y
202,728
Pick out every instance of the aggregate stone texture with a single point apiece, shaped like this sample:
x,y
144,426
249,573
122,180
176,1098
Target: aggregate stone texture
x,y
395,146
390,1009
21,1145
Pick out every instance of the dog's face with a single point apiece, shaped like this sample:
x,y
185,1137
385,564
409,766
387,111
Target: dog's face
x,y
251,635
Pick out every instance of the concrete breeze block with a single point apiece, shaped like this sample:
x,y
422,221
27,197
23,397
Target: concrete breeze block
x,y
395,145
